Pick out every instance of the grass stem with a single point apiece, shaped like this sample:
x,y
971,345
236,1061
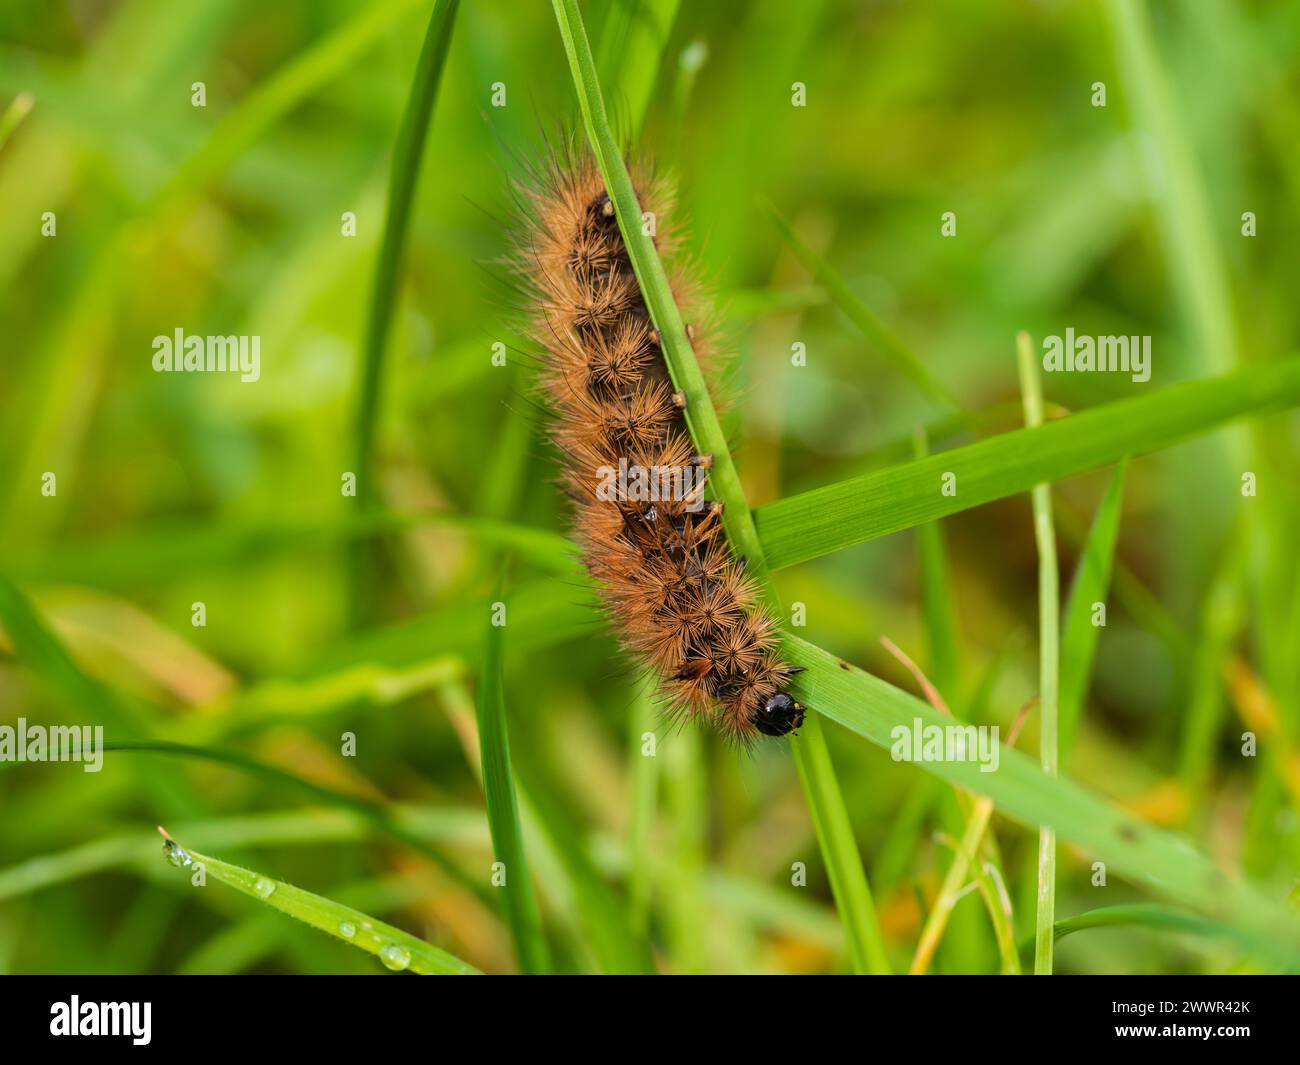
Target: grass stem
x,y
812,757
1049,613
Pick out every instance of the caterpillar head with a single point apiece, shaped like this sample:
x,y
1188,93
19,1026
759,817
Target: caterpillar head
x,y
779,715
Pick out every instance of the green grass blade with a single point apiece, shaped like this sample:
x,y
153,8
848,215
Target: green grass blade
x,y
395,948
1222,615
826,803
1144,914
278,95
606,920
503,810
1020,789
1049,619
1177,194
836,516
19,107
966,855
843,863
1090,585
936,603
174,549
642,803
701,417
40,649
904,359
44,653
407,155
631,47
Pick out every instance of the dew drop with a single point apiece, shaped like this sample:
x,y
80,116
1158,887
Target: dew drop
x,y
175,853
264,888
395,957
347,929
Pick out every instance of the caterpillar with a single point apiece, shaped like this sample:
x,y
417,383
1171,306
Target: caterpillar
x,y
676,592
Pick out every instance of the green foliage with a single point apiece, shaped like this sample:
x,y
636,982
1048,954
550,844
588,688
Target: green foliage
x,y
178,489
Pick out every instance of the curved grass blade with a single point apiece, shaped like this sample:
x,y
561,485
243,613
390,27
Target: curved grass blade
x,y
1146,914
407,155
1049,664
1090,585
1131,847
834,830
503,811
44,653
41,650
631,47
826,519
395,948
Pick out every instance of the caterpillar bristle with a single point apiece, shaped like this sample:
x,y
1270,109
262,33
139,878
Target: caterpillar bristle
x,y
678,596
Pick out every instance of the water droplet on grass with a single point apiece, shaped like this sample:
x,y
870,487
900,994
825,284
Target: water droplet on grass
x,y
347,929
264,888
395,957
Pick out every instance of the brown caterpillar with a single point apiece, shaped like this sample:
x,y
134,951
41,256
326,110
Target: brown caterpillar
x,y
677,594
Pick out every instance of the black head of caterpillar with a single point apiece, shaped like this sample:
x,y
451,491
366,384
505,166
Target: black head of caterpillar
x,y
678,595
779,716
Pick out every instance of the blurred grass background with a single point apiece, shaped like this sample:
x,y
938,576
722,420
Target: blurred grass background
x,y
176,489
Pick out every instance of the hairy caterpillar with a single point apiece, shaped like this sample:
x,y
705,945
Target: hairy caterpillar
x,y
678,595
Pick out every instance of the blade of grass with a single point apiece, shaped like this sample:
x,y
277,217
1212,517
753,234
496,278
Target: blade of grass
x,y
971,818
577,891
826,519
1222,614
1090,585
395,948
13,116
1131,847
41,650
993,887
843,863
172,549
408,153
1178,196
1148,915
44,653
503,810
950,890
936,599
1049,607
904,359
631,47
834,831
644,786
